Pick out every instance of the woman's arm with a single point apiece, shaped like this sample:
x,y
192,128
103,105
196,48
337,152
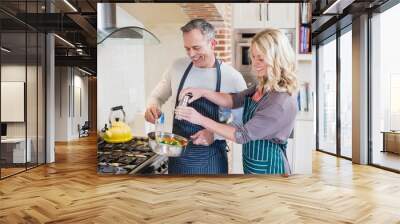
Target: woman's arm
x,y
227,100
191,115
224,130
221,99
274,120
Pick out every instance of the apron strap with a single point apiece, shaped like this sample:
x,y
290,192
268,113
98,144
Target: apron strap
x,y
252,108
185,75
218,66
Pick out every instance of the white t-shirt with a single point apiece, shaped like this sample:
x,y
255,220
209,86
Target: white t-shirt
x,y
231,82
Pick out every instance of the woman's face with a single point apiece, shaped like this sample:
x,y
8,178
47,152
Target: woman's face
x,y
258,62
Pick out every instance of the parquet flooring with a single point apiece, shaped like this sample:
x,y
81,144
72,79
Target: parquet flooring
x,y
70,191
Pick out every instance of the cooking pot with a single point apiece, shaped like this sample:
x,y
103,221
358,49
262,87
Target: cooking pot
x,y
157,142
119,131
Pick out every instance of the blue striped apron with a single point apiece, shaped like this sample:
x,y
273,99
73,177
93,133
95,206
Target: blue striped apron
x,y
198,159
262,156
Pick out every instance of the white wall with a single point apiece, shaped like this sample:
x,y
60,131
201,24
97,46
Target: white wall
x,y
61,103
14,73
67,80
17,73
81,108
303,144
120,77
34,125
137,64
50,97
164,21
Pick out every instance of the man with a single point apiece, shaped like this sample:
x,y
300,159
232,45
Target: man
x,y
202,70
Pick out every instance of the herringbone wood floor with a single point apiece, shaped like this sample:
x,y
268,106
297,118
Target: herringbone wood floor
x,y
70,191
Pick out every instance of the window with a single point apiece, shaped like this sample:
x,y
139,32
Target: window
x,y
334,106
22,77
346,94
385,89
327,97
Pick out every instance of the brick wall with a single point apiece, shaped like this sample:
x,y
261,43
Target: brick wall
x,y
220,15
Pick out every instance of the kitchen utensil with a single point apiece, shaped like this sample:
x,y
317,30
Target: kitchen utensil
x,y
184,102
159,125
119,131
167,149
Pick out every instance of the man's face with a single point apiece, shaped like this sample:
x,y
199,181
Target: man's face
x,y
198,48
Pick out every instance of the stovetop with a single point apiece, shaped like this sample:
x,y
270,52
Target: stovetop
x,y
133,157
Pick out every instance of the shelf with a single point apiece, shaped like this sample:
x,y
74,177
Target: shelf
x,y
305,24
304,57
304,31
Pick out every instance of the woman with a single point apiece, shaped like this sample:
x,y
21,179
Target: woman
x,y
269,108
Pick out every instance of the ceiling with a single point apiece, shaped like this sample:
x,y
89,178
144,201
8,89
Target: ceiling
x,y
150,14
326,21
75,22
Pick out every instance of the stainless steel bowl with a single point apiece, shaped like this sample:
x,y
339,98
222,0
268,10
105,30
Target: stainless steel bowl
x,y
166,149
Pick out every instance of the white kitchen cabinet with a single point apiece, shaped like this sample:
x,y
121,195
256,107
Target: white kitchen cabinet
x,y
300,148
289,152
248,15
237,162
262,15
281,15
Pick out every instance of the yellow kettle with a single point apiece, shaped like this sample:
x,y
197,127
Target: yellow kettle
x,y
118,132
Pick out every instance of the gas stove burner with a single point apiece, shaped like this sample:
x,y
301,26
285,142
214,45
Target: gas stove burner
x,y
104,159
141,160
106,169
130,154
131,167
127,160
148,154
108,146
120,170
143,148
143,139
133,157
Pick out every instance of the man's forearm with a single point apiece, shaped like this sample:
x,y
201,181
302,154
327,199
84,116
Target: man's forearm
x,y
227,131
153,101
160,93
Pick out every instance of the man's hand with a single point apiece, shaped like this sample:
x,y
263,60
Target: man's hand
x,y
203,137
152,113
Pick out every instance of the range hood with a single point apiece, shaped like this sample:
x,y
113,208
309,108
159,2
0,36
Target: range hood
x,y
107,27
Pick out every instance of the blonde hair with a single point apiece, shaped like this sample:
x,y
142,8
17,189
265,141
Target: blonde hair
x,y
280,59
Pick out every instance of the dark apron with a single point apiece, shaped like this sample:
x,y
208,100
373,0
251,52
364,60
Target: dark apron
x,y
198,159
262,156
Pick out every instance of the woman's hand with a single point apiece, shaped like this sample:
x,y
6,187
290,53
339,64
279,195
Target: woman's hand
x,y
196,93
189,114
